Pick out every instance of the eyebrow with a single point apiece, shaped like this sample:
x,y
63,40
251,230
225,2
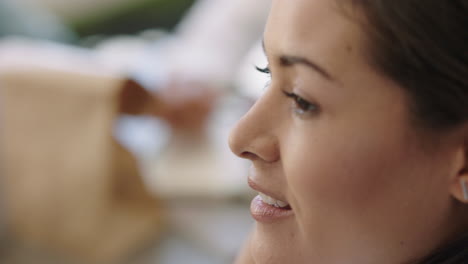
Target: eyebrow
x,y
287,60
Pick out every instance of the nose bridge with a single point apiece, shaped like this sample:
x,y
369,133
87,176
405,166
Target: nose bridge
x,y
254,136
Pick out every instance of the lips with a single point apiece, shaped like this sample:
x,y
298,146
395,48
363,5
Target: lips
x,y
267,208
265,213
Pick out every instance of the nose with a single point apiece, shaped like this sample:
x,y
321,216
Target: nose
x,y
254,135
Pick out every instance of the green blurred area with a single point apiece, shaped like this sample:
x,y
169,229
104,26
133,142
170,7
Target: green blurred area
x,y
132,17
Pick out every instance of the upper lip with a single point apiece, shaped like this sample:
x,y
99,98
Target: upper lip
x,y
258,188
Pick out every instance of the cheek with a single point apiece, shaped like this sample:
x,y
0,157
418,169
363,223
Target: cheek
x,y
352,157
354,170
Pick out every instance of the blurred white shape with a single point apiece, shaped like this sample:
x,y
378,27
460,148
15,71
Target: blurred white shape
x,y
249,81
201,166
24,53
121,53
144,136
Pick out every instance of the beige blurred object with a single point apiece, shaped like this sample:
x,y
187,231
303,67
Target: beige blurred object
x,y
69,187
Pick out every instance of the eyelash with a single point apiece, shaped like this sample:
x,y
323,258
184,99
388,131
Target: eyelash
x,y
302,106
265,70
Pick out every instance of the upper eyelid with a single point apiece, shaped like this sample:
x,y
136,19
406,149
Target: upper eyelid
x,y
290,95
296,96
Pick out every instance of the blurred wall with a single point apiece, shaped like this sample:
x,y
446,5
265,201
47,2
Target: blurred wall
x,y
113,17
73,10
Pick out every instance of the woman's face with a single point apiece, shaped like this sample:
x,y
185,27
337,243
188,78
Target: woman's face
x,y
333,138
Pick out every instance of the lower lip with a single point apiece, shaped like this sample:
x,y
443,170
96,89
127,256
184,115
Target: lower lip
x,y
265,213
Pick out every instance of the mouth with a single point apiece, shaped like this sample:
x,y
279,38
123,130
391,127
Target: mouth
x,y
273,202
266,208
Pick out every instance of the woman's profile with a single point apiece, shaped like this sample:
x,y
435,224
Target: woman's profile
x,y
359,145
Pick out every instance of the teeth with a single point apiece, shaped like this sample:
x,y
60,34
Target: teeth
x,y
281,203
271,201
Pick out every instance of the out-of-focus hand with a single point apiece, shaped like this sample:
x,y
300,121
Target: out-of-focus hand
x,y
186,105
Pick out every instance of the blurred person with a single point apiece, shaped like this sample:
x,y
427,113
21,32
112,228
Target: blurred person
x,y
359,145
188,70
185,74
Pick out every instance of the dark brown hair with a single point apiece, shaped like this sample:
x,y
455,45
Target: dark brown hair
x,y
455,252
422,45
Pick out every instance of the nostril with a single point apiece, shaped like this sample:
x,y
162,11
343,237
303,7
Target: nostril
x,y
248,155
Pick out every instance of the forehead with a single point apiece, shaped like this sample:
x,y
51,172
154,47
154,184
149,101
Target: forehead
x,y
318,29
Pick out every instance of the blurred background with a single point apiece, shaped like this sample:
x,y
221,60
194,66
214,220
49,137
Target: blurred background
x,y
114,123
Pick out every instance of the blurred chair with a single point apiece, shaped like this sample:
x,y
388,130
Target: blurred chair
x,y
69,186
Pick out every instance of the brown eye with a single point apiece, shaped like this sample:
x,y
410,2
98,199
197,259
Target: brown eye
x,y
302,105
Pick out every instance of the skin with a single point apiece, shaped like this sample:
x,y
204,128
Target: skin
x,y
365,184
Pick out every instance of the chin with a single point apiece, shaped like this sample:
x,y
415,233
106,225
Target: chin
x,y
275,244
